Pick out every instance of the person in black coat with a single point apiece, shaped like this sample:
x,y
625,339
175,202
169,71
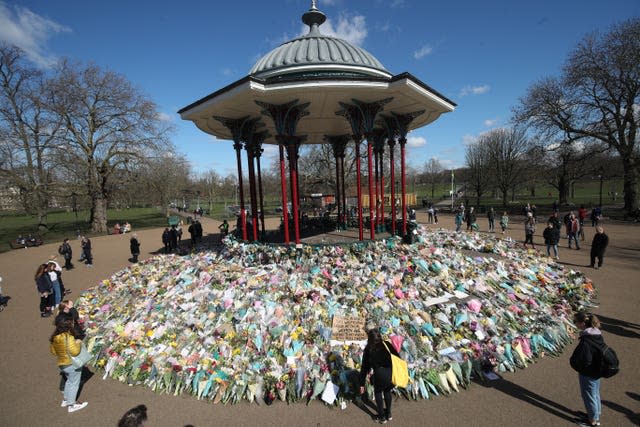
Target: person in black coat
x,y
587,360
86,251
45,290
166,241
551,238
134,246
66,251
598,246
377,356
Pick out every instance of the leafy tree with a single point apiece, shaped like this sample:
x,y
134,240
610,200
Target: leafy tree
x,y
107,122
596,97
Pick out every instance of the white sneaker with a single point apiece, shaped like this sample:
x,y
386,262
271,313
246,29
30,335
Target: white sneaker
x,y
64,404
77,406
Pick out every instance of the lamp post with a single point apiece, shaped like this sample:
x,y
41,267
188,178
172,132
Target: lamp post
x,y
601,178
452,190
74,206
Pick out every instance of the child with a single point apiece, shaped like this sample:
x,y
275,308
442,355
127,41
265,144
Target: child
x,y
504,221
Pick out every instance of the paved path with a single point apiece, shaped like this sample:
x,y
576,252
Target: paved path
x,y
545,394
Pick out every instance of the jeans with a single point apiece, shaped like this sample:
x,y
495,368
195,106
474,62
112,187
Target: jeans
x,y
555,249
73,382
57,295
492,226
590,391
573,236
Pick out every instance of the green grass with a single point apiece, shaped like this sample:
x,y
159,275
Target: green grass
x,y
63,224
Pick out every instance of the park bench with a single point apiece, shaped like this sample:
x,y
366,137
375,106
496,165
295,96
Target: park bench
x,y
22,242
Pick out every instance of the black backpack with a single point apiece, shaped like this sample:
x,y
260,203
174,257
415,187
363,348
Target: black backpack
x,y
609,365
61,250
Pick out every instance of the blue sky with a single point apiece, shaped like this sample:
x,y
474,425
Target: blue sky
x,y
481,55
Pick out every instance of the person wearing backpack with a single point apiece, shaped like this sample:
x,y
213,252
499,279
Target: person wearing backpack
x,y
587,361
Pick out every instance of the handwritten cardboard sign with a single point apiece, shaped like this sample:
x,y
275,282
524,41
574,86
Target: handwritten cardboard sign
x,y
348,329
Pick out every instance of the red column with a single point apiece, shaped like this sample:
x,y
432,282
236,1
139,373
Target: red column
x,y
357,140
243,218
344,192
283,185
260,196
252,193
371,195
293,173
380,153
393,186
338,198
403,142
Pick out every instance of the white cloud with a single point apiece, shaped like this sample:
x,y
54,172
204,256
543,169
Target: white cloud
x,y
350,28
422,52
474,90
416,141
469,139
490,122
271,151
30,32
397,3
165,117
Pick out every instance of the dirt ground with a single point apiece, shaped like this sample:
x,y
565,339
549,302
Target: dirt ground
x,y
546,393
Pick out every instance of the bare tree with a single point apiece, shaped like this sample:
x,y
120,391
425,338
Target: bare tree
x,y
107,123
165,175
505,149
477,159
433,172
596,97
28,133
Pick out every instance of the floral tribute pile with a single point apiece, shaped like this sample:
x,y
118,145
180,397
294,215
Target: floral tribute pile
x,y
253,321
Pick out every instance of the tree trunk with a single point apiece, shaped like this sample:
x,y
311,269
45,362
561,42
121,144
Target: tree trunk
x,y
630,184
563,191
505,197
98,214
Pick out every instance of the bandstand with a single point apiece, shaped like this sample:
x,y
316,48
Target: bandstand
x,y
318,89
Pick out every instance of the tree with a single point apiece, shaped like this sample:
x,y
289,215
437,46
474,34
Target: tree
x,y
107,123
477,159
28,133
433,172
165,175
596,97
505,149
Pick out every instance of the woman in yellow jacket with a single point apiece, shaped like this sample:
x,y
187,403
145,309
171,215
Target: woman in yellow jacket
x,y
63,345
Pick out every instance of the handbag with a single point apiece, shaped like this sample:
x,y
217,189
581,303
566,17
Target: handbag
x,y
399,370
81,359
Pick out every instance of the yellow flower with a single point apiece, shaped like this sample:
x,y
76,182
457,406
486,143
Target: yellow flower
x,y
150,333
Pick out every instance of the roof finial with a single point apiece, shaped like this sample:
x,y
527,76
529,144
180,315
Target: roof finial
x,y
313,18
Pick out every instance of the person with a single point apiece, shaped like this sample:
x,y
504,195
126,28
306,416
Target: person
x,y
126,228
166,241
582,215
435,215
55,283
134,417
596,216
471,219
117,229
376,356
430,213
134,246
86,251
551,238
67,310
598,246
63,345
555,220
192,231
173,238
198,230
45,289
573,228
459,219
529,230
586,360
491,217
504,221
66,251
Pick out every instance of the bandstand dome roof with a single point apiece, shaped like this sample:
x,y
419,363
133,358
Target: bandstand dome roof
x,y
317,53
